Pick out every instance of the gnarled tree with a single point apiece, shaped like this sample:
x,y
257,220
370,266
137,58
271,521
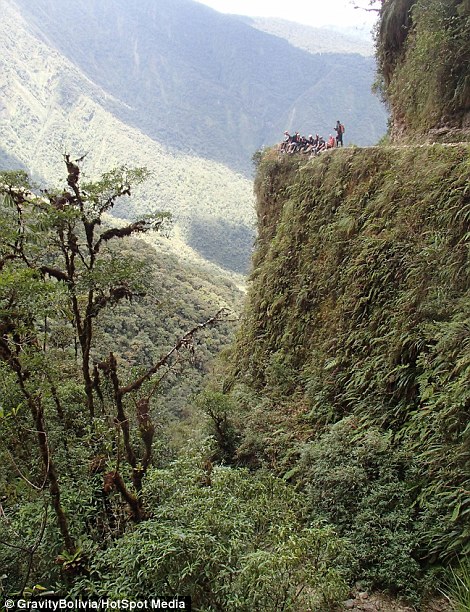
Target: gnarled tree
x,y
58,272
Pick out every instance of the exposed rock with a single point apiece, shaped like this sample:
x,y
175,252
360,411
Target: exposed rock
x,y
368,607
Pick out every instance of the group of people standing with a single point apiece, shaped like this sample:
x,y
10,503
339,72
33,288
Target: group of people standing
x,y
313,145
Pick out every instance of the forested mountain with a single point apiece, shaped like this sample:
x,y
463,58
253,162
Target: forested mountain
x,y
49,107
206,83
143,84
325,465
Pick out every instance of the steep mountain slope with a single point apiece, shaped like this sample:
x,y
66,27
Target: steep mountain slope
x,y
8,161
203,82
49,106
351,369
179,296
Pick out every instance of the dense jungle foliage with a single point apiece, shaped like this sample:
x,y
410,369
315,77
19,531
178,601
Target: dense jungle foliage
x,y
107,489
350,375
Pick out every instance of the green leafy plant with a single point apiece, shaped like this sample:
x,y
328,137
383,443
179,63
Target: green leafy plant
x,y
422,48
89,413
457,585
357,481
354,345
234,541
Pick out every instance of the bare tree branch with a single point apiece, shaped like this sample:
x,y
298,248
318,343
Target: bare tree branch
x,y
183,341
140,226
22,476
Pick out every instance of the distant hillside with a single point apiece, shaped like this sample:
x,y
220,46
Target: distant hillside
x,y
176,87
202,82
9,162
49,106
180,295
315,40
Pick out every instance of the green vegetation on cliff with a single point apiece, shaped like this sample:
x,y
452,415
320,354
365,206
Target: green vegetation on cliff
x,y
422,49
105,493
351,369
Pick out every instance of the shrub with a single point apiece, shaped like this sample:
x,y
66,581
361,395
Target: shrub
x,y
357,481
233,541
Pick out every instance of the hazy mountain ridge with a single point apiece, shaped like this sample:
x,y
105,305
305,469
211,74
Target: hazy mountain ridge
x,y
200,81
144,84
50,107
323,39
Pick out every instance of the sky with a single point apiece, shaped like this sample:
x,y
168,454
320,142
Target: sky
x,y
308,12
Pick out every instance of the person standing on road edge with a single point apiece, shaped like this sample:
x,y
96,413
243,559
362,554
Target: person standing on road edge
x,y
339,129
